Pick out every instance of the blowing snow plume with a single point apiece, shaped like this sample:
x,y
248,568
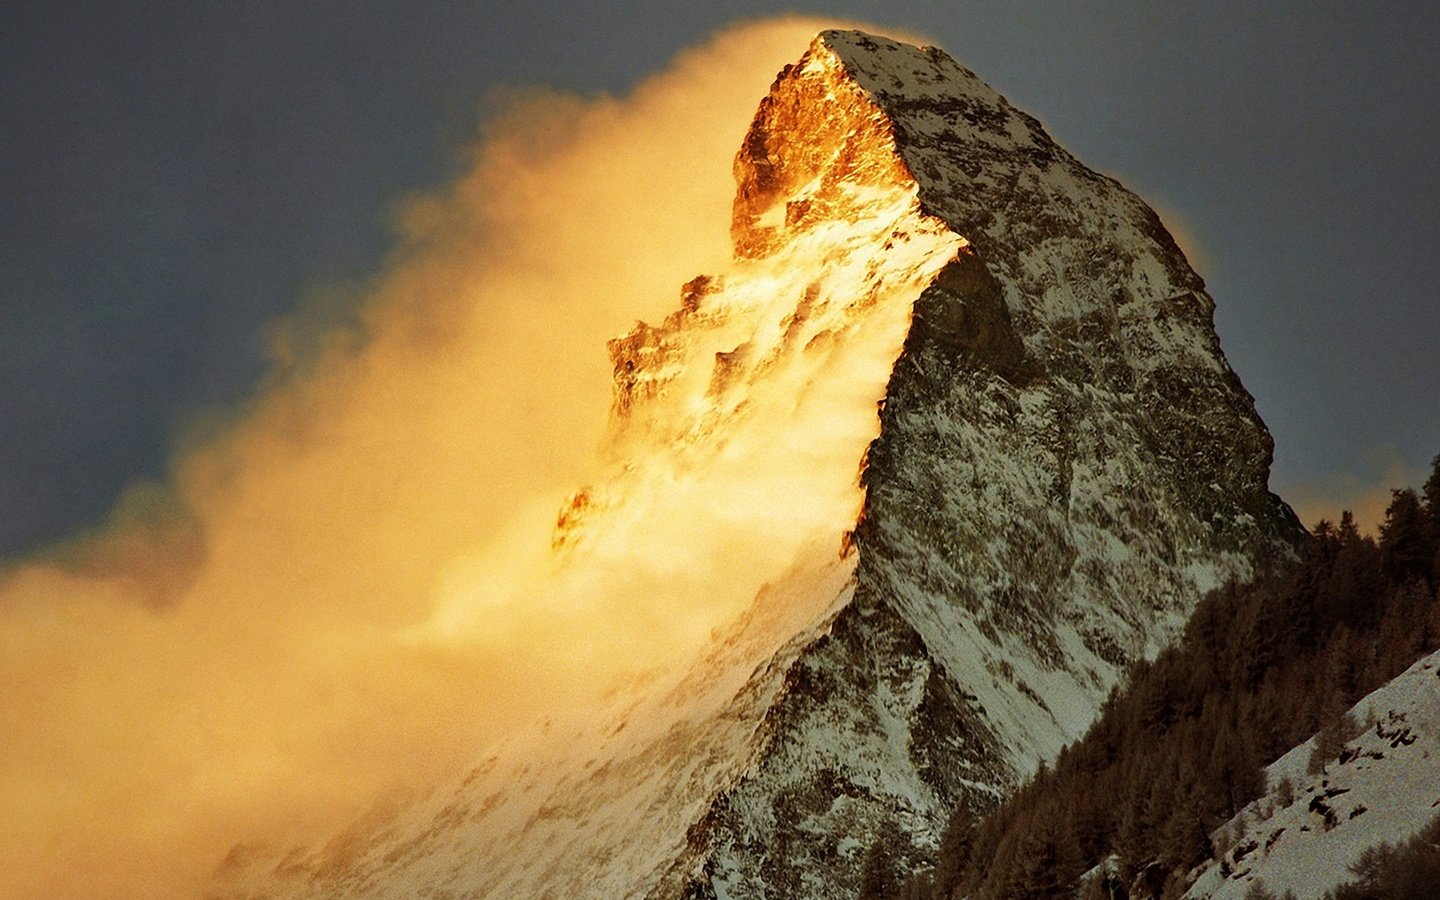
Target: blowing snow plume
x,y
360,582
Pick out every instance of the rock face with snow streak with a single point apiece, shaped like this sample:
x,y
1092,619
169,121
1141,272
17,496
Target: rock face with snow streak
x,y
1065,461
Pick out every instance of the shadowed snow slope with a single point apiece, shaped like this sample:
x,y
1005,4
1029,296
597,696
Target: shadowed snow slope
x,y
1384,788
1062,462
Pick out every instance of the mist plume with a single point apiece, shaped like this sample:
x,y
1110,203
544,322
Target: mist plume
x,y
349,587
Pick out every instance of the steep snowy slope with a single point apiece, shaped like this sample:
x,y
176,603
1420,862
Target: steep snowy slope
x,y
1384,788
1064,461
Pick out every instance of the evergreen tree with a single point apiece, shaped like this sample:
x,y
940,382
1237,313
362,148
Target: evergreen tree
x,y
1354,581
1003,871
1235,773
1043,870
1301,594
1160,695
955,844
1185,840
1431,492
1133,828
1347,654
1159,803
1257,632
1403,635
1088,822
880,873
1406,547
1209,627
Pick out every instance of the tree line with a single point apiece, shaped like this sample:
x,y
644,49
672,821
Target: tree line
x,y
1179,749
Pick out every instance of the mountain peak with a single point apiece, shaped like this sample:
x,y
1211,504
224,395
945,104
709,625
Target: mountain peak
x,y
1063,462
837,126
889,68
818,148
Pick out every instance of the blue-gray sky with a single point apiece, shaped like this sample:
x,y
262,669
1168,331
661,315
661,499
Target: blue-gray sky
x,y
173,176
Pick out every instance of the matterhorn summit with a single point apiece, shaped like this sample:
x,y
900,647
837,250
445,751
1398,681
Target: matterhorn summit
x,y
1056,462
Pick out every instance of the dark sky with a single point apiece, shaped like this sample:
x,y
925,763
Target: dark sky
x,y
175,175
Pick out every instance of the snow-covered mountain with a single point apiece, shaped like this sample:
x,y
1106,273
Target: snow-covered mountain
x,y
1062,462
1310,827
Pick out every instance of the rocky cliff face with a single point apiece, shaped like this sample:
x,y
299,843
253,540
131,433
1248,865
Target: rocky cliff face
x,y
1064,463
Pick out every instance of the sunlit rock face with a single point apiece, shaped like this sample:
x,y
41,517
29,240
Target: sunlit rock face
x,y
1062,462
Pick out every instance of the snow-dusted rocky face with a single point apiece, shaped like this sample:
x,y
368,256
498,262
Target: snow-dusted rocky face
x,y
1065,463
1062,462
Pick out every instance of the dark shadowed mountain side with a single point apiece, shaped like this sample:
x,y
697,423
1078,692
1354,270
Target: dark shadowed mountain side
x,y
1064,463
1170,777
